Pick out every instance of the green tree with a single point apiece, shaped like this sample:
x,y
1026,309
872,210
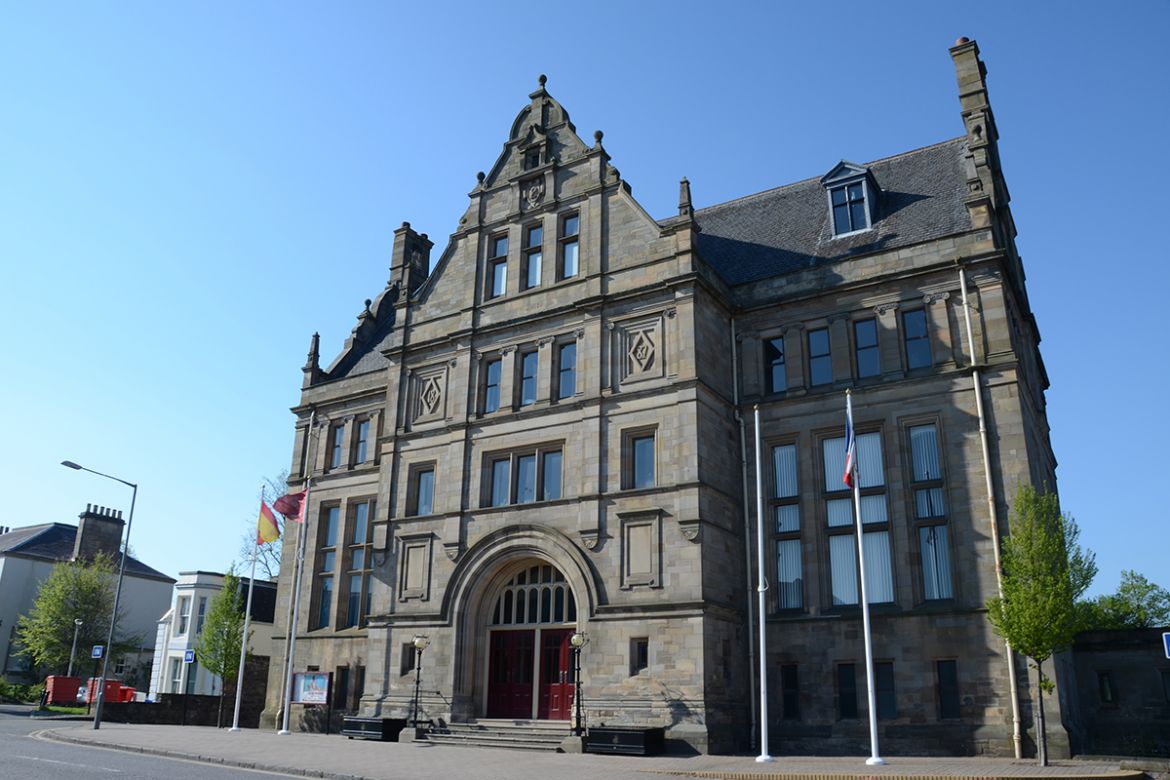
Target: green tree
x,y
1138,603
221,641
1044,573
74,590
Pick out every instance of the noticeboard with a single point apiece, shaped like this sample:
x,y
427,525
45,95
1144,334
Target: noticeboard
x,y
311,688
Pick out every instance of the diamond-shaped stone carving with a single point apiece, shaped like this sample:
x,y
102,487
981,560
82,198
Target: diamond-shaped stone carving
x,y
431,395
642,352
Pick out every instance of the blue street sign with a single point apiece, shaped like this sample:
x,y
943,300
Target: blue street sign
x,y
1166,642
188,656
97,651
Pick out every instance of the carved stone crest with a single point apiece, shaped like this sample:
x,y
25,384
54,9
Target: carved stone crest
x,y
533,191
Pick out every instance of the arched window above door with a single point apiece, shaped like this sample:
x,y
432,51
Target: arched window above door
x,y
536,595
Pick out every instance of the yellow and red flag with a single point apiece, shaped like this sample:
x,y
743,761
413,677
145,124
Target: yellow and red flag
x,y
266,528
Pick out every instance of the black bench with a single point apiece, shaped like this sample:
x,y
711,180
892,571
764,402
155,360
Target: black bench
x,y
628,740
383,729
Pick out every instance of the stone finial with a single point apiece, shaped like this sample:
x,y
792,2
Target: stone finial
x,y
597,136
313,361
685,209
543,79
962,40
479,176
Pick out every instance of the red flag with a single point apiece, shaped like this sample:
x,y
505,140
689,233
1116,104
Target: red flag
x,y
292,506
266,527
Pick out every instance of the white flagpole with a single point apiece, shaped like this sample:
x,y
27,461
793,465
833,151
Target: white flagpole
x,y
247,622
874,759
761,588
300,566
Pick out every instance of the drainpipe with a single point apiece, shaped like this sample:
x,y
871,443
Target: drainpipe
x,y
747,528
991,509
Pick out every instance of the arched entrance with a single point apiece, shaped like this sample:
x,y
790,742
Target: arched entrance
x,y
530,674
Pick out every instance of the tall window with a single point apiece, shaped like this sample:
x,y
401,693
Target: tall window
x,y
915,338
524,477
570,245
421,498
820,362
176,675
336,436
491,386
327,563
361,441
638,460
201,615
947,680
790,692
533,238
849,212
357,606
846,692
567,370
774,357
883,683
498,267
930,511
184,614
529,364
879,576
865,346
786,510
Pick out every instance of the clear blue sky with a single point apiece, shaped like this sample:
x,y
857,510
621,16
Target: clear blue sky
x,y
189,190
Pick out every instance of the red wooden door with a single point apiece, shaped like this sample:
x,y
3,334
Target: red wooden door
x,y
556,675
510,684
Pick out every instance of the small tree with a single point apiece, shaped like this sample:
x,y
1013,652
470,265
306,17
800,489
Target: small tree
x,y
74,590
268,556
1138,603
1044,573
221,642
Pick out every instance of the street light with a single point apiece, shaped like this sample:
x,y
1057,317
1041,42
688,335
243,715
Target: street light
x,y
101,691
76,626
578,641
420,643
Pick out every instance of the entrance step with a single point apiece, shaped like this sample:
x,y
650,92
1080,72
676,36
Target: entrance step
x,y
499,733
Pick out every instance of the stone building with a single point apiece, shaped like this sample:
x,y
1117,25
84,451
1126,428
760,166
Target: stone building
x,y
547,428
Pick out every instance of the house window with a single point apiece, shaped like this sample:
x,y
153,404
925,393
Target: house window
x,y
774,357
1105,690
498,267
786,511
883,683
865,348
789,692
820,363
201,615
491,388
915,339
638,460
567,370
406,659
533,238
569,245
930,511
340,687
176,675
361,440
879,577
532,158
846,692
529,364
357,605
184,614
849,212
421,500
947,680
525,477
326,564
336,436
639,654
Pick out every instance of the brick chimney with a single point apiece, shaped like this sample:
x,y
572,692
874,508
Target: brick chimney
x,y
99,529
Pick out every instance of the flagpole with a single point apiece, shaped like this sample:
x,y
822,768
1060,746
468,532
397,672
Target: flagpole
x,y
300,566
247,622
761,588
874,759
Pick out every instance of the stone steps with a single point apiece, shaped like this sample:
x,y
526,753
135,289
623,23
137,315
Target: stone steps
x,y
510,734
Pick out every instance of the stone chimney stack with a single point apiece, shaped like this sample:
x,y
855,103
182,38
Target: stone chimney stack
x,y
411,260
99,529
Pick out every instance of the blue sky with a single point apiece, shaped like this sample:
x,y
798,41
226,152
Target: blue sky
x,y
191,189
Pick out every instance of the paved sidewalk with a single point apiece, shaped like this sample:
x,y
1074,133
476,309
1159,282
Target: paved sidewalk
x,y
320,755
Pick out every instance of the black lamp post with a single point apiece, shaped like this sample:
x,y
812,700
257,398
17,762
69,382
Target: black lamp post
x,y
101,691
73,651
420,643
578,640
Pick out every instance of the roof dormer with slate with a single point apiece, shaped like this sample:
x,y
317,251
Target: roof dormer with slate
x,y
853,195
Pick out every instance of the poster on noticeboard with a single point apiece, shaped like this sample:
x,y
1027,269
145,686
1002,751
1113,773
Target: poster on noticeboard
x,y
310,688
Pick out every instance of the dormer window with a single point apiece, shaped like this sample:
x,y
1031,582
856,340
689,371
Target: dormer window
x,y
532,158
849,212
852,194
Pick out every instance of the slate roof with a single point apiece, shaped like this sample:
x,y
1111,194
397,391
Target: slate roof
x,y
788,228
54,542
